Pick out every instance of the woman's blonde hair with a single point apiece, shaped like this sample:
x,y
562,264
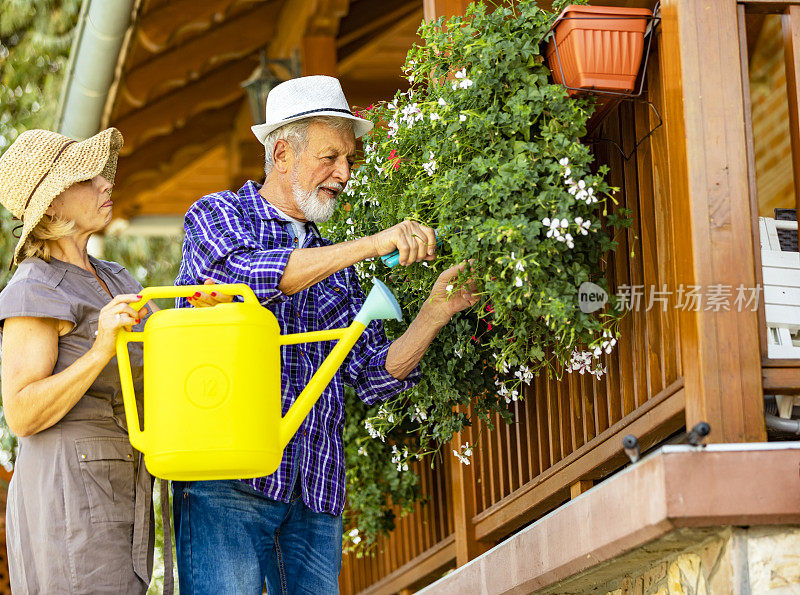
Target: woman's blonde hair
x,y
49,229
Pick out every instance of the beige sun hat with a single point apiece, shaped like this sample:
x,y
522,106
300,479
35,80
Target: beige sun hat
x,y
40,165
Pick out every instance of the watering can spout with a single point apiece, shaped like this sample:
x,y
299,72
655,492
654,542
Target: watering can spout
x,y
380,304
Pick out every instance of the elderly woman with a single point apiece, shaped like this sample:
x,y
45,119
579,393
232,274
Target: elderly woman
x,y
79,515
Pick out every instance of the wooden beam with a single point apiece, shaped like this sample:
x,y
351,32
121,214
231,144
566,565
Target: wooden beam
x,y
230,41
791,55
156,28
767,6
220,87
327,17
781,379
745,23
350,62
708,176
291,27
373,17
163,157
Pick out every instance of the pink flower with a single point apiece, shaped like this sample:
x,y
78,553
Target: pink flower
x,y
394,160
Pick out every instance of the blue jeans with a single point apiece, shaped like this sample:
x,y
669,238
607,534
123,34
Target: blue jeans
x,y
230,538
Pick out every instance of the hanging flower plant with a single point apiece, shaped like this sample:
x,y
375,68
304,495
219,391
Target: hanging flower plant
x,y
484,148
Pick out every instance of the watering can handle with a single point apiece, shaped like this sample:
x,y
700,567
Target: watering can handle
x,y
136,434
174,291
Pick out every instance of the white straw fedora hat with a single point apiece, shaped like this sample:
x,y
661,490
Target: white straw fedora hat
x,y
307,97
40,165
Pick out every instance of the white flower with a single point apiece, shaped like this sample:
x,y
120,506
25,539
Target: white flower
x,y
442,102
465,454
429,167
518,282
435,116
583,226
567,172
462,117
459,353
356,540
570,242
564,223
545,222
520,266
419,414
411,79
564,161
524,374
449,288
461,73
581,184
362,451
465,84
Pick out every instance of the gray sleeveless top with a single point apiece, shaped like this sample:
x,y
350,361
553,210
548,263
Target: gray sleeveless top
x,y
79,510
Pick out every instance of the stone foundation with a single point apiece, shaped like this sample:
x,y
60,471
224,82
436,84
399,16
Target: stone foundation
x,y
698,562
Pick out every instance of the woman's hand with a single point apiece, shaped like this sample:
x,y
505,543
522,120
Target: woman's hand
x,y
114,316
204,300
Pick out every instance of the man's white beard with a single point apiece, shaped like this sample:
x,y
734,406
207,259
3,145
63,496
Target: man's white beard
x,y
312,207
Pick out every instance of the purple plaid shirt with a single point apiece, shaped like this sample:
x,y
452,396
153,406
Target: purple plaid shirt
x,y
240,238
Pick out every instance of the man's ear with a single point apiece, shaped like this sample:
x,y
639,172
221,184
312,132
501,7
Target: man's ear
x,y
282,156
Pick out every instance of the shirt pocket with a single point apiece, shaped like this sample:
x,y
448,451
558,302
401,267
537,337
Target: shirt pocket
x,y
108,472
331,303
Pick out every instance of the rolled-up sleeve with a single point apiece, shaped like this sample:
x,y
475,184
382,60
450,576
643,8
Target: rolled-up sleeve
x,y
365,367
218,245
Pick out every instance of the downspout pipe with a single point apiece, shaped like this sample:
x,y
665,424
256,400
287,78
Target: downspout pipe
x,y
99,36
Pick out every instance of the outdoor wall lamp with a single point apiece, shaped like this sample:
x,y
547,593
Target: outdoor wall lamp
x,y
264,79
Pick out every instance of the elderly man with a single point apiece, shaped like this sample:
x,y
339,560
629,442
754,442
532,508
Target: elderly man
x,y
287,527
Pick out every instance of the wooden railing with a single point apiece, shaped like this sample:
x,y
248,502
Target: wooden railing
x,y
695,223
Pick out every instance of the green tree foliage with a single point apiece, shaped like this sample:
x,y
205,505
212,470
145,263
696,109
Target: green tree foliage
x,y
35,41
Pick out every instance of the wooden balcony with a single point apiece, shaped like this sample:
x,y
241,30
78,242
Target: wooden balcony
x,y
691,189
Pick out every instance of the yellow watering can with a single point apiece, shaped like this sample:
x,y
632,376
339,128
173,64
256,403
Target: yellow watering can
x,y
212,383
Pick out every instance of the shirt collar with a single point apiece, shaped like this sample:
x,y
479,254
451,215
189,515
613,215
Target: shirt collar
x,y
249,192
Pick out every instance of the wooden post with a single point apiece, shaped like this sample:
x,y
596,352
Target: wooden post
x,y
319,55
791,54
463,489
444,8
579,487
707,157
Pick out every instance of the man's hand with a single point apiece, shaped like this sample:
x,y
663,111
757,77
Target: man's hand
x,y
448,302
414,242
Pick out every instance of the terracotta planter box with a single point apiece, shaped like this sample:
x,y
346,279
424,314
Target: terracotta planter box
x,y
598,49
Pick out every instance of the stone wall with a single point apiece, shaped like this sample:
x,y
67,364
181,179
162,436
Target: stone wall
x,y
733,560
